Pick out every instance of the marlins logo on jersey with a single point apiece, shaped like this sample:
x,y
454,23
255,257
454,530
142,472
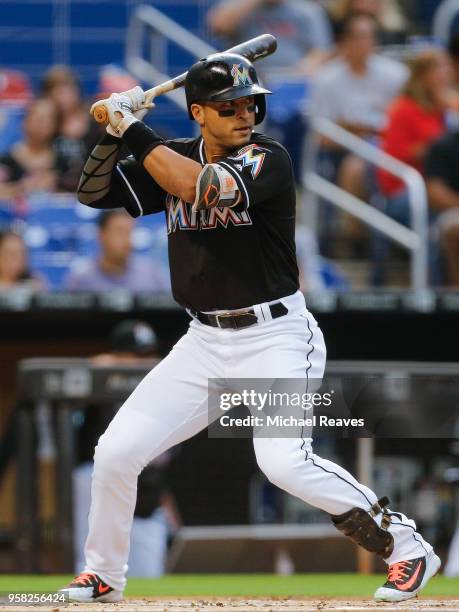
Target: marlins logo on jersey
x,y
251,156
181,217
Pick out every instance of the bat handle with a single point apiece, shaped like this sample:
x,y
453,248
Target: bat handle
x,y
100,113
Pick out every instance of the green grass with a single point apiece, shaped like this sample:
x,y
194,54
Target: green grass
x,y
245,585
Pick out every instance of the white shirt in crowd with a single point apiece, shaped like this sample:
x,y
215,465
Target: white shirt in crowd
x,y
342,96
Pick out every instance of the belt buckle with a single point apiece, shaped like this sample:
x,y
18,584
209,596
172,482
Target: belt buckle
x,y
233,316
225,315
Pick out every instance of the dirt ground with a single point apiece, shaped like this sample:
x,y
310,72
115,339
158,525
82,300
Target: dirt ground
x,y
253,605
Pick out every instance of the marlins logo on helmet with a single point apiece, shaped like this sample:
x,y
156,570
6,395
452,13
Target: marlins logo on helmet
x,y
240,75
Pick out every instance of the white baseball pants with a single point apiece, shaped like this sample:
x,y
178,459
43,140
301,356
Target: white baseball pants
x,y
148,544
170,406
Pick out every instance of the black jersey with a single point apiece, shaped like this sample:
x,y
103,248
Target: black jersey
x,y
224,258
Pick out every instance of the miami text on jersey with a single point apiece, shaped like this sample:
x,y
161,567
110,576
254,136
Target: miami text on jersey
x,y
252,156
181,217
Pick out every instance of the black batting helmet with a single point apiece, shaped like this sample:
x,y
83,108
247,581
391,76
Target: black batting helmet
x,y
221,77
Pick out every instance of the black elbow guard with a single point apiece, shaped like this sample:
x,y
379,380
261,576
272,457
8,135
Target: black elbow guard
x,y
216,186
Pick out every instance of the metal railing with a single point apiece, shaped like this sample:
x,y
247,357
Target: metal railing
x,y
443,20
161,31
415,239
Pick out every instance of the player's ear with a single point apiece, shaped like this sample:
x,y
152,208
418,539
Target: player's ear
x,y
198,113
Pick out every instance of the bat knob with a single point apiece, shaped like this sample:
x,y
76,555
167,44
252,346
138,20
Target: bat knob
x,y
100,114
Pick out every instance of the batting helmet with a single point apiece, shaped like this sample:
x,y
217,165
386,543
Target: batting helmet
x,y
221,77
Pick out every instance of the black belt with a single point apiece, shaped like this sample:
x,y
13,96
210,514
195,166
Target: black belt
x,y
238,320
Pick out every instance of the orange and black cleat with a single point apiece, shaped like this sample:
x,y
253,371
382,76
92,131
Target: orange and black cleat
x,y
88,587
406,578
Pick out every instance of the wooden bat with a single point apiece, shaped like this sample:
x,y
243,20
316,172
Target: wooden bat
x,y
253,49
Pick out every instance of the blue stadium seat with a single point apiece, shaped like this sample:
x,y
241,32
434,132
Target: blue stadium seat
x,y
7,216
52,222
150,238
86,230
332,276
51,234
53,266
289,98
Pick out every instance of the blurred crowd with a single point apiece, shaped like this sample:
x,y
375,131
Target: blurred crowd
x,y
357,63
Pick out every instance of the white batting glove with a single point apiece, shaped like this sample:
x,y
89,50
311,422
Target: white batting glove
x,y
138,116
137,98
124,109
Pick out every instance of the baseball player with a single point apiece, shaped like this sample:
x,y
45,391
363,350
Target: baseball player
x,y
229,201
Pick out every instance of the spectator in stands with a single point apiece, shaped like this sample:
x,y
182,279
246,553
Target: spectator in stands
x,y
77,132
301,29
416,119
442,175
391,21
116,267
418,116
31,165
353,91
14,271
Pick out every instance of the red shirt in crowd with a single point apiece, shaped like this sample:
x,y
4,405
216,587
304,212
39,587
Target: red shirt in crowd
x,y
410,127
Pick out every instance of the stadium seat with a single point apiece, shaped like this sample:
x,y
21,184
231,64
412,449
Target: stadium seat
x,y
52,222
86,230
6,216
51,234
150,238
332,276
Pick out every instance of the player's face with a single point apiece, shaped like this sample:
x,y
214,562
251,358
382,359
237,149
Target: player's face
x,y
228,124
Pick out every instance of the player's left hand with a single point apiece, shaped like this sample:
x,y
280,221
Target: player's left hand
x,y
140,104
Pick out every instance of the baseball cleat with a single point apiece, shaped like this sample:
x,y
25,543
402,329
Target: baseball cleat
x,y
406,578
87,588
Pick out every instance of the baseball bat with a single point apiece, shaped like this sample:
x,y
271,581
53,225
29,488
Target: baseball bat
x,y
253,49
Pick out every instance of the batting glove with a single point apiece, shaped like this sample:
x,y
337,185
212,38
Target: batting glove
x,y
137,97
124,109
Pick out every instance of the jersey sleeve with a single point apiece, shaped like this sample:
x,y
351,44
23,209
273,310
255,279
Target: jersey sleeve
x,y
260,170
138,192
